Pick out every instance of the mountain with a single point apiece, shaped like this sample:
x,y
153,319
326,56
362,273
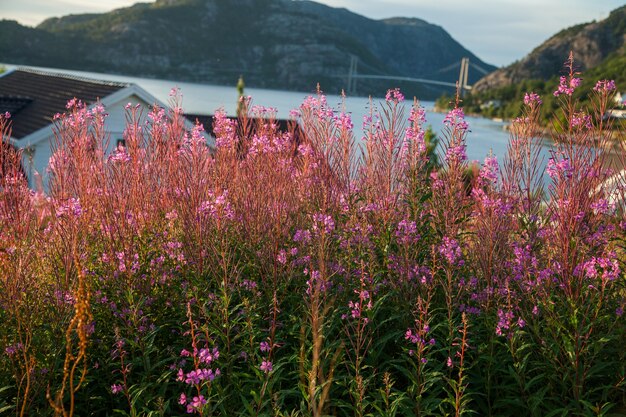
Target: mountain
x,y
282,44
592,44
599,51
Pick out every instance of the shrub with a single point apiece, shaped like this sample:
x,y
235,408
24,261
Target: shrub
x,y
277,276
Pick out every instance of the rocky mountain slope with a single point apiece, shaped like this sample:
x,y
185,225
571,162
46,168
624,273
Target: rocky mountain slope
x,y
274,43
592,43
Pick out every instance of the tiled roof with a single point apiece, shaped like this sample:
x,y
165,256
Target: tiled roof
x,y
34,97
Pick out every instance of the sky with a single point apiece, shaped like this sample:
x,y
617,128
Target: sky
x,y
497,31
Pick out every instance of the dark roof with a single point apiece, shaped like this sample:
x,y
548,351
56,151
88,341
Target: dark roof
x,y
34,97
208,120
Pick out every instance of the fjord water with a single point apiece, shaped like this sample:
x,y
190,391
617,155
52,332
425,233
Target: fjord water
x,y
485,135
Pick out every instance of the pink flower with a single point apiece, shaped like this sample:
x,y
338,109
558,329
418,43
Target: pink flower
x,y
264,347
451,250
266,366
406,232
456,119
605,86
532,99
557,168
196,404
294,113
182,400
282,257
566,86
490,170
119,155
344,121
116,388
207,356
394,95
580,120
70,207
225,130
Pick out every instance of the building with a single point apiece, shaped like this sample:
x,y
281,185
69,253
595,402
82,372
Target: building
x,y
34,97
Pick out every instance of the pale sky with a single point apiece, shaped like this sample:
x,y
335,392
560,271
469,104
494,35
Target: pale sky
x,y
497,31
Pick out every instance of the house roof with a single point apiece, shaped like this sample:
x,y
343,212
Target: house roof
x,y
33,97
208,122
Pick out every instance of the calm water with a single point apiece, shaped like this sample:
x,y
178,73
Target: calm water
x,y
485,134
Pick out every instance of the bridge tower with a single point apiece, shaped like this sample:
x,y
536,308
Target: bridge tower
x,y
354,60
463,85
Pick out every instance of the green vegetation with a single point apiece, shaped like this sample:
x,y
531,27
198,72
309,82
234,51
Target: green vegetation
x,y
511,96
276,275
604,58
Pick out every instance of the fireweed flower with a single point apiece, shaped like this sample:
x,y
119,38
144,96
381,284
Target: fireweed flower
x,y
303,236
504,321
605,268
294,114
261,144
116,388
451,251
10,351
207,356
418,336
317,106
323,222
602,206
406,232
71,207
281,258
557,168
264,347
218,207
414,134
456,154
344,122
456,119
196,404
394,95
266,366
316,282
489,171
356,308
531,99
175,92
196,141
605,86
225,130
58,160
119,155
567,86
74,104
581,119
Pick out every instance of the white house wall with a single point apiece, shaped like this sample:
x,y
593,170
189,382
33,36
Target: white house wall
x,y
37,162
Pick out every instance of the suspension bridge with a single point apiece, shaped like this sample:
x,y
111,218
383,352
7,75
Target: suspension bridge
x,y
354,75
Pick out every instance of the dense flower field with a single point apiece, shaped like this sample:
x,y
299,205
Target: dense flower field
x,y
310,277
